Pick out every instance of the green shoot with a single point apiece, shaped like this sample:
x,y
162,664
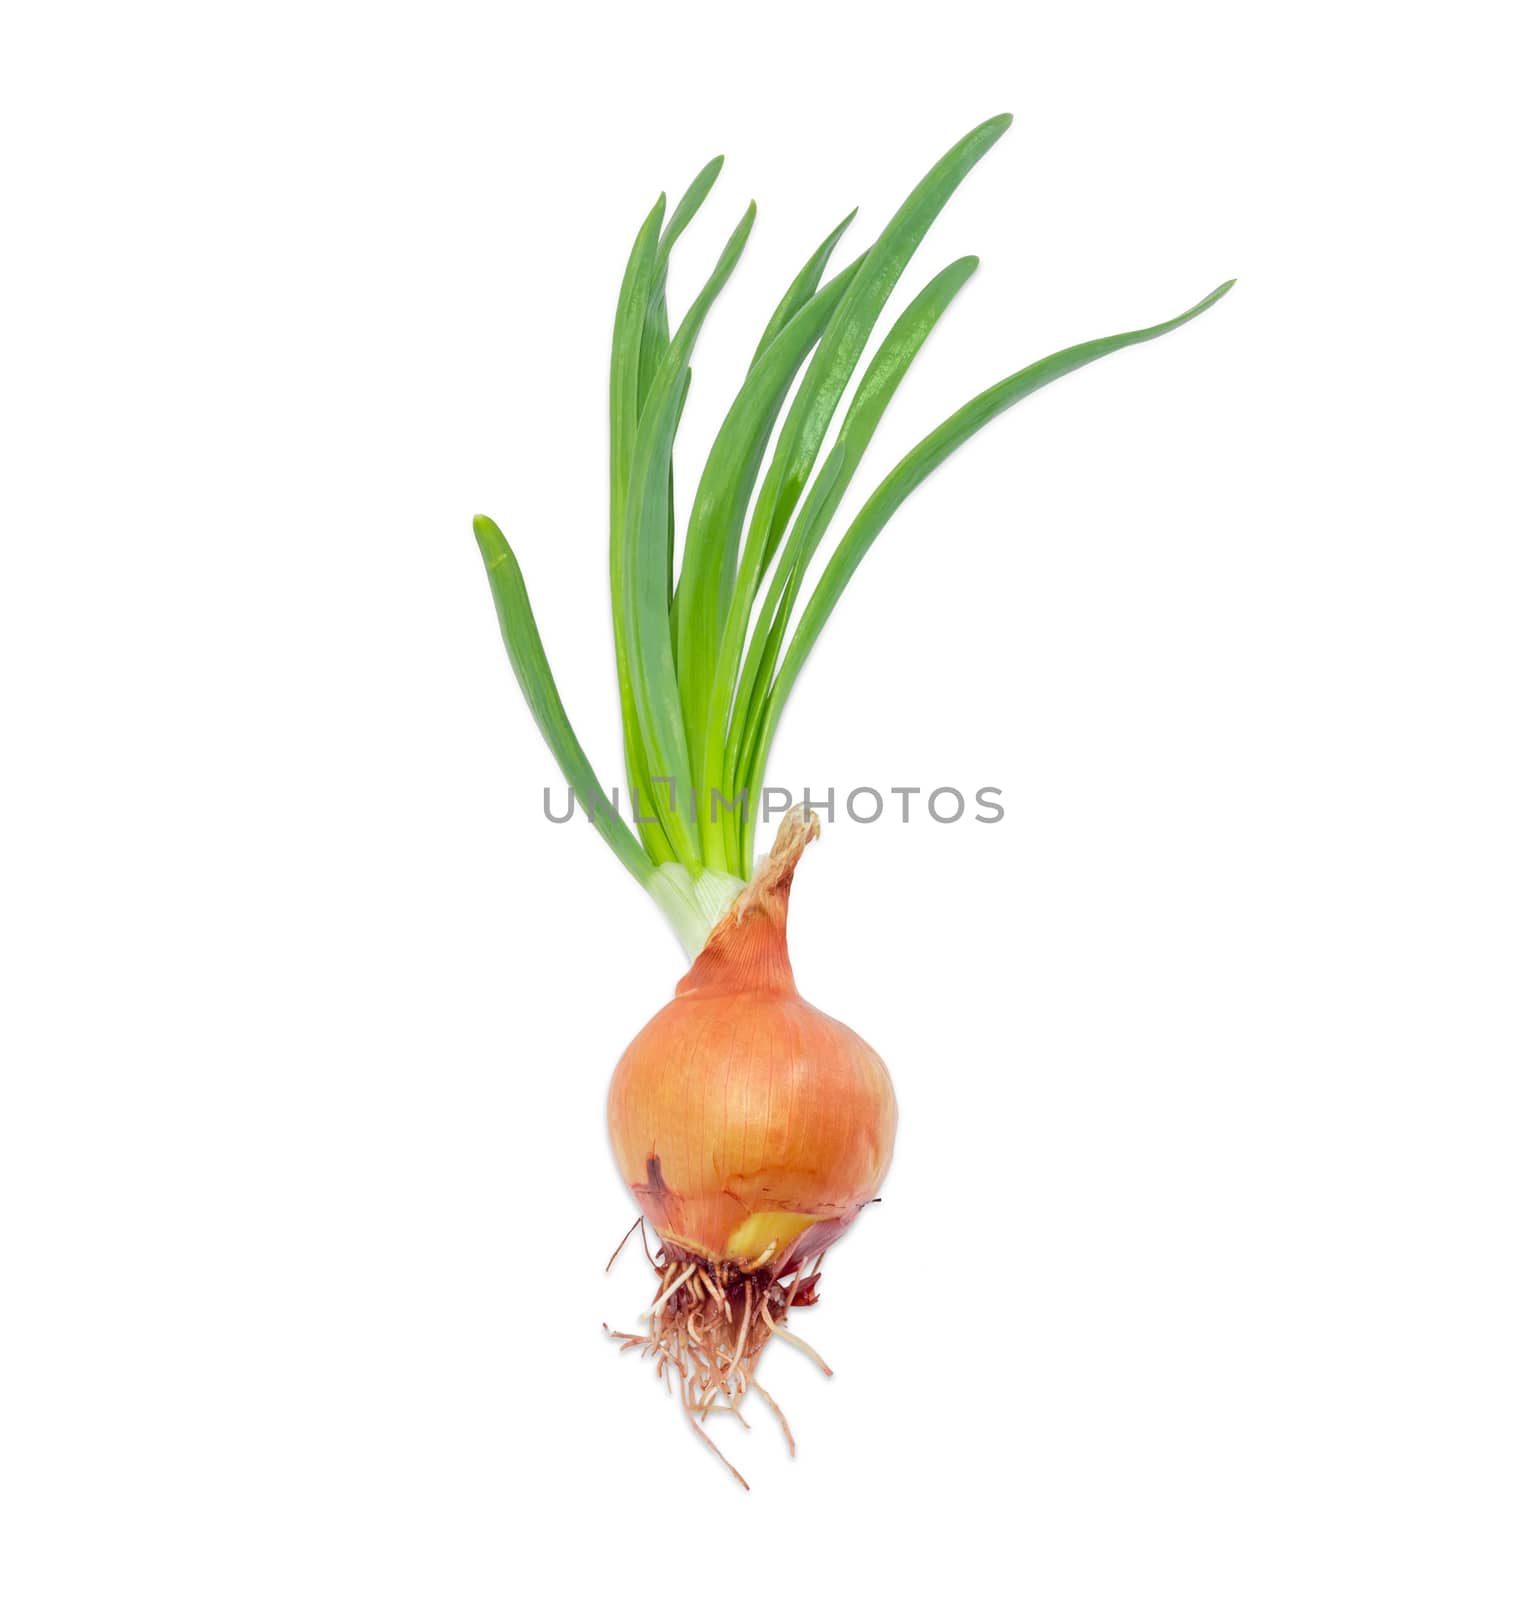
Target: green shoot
x,y
702,695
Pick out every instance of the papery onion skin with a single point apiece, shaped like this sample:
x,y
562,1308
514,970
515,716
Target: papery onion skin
x,y
751,1126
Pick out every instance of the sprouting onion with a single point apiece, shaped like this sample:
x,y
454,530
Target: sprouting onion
x,y
751,1127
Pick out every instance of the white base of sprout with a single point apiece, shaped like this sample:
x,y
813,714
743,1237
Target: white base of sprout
x,y
693,906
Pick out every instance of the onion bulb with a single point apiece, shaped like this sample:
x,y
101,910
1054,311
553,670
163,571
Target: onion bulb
x,y
752,1128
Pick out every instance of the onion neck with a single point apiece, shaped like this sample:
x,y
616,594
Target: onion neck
x,y
747,948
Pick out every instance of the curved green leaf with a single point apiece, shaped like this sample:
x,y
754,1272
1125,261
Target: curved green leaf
x,y
532,669
817,397
803,286
910,472
878,384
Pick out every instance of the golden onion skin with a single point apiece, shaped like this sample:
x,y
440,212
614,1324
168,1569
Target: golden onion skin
x,y
750,1126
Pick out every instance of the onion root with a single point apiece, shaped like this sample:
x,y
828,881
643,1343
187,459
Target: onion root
x,y
709,1325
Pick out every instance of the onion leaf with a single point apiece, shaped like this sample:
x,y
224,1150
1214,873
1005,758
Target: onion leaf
x,y
803,285
624,386
654,336
647,580
879,383
841,348
811,411
910,472
721,503
532,669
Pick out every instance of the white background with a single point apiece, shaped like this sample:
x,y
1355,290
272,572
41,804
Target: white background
x,y
1206,1266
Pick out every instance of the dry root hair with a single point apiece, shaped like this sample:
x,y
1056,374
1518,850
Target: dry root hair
x,y
708,1326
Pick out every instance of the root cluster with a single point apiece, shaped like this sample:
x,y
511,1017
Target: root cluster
x,y
708,1327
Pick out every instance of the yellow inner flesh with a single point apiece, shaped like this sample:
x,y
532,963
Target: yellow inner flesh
x,y
756,1234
